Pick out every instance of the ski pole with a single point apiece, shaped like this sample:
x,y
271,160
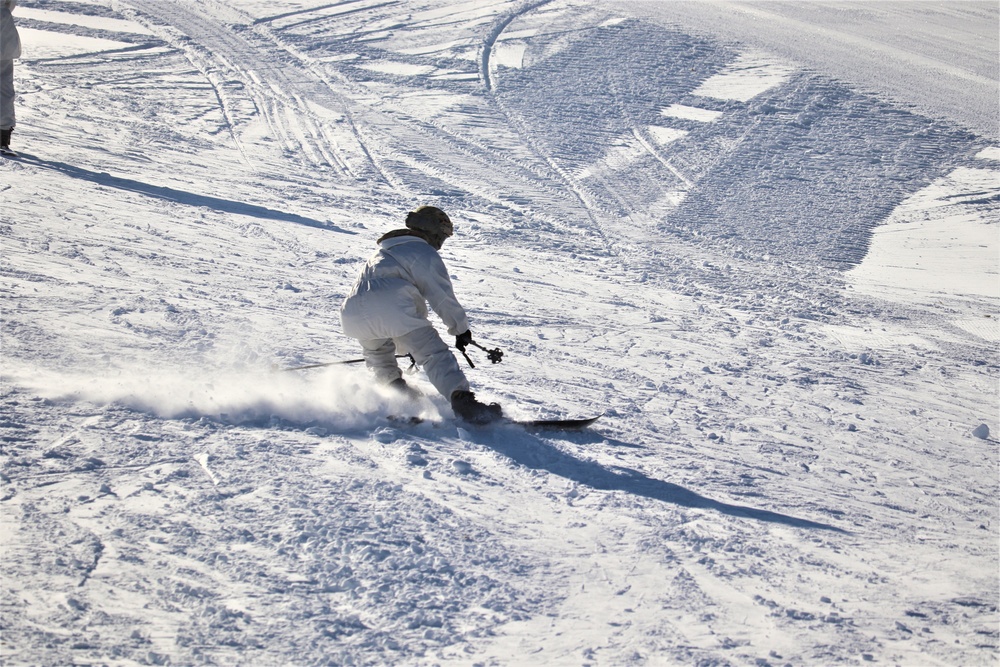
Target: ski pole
x,y
339,363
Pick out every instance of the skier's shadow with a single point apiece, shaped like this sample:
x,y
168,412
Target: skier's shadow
x,y
178,196
535,453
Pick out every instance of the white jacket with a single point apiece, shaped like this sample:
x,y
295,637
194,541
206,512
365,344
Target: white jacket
x,y
10,41
391,295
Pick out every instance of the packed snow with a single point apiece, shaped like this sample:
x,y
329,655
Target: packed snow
x,y
759,239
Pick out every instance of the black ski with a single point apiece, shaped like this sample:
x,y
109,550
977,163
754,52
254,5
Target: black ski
x,y
554,424
530,424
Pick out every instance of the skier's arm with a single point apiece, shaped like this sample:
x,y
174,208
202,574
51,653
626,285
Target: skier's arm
x,y
434,284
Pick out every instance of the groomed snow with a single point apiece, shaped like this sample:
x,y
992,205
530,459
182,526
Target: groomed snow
x,y
760,239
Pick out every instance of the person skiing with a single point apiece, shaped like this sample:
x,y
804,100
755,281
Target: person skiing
x,y
386,311
10,50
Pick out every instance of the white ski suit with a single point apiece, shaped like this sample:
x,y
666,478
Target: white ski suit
x,y
387,311
10,50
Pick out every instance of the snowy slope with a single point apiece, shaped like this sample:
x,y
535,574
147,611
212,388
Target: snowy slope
x,y
936,57
777,284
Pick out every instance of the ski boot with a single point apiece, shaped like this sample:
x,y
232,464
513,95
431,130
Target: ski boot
x,y
467,408
5,143
400,385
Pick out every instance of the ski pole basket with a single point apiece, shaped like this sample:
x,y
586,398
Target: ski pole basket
x,y
495,355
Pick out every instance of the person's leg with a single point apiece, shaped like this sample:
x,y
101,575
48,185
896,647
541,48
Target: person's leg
x,y
7,119
433,355
380,358
436,359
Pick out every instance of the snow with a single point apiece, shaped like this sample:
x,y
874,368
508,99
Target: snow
x,y
66,45
760,239
691,113
509,55
401,69
745,78
665,135
76,19
936,242
939,57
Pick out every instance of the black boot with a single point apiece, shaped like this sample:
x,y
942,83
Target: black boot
x,y
467,408
5,138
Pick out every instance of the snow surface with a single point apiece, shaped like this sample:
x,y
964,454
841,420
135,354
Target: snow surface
x,y
937,57
754,237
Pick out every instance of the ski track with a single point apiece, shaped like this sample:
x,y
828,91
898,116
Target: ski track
x,y
655,226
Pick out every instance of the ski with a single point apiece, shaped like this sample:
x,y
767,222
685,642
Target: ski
x,y
6,152
529,424
554,424
409,421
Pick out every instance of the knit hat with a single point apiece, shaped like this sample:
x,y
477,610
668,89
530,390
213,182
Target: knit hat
x,y
433,222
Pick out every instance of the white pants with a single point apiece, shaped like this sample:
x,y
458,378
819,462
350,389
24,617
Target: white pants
x,y
428,350
7,119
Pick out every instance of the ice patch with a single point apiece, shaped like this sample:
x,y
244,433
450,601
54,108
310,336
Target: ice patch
x,y
749,76
691,113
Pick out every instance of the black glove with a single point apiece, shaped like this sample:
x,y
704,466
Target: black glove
x,y
463,340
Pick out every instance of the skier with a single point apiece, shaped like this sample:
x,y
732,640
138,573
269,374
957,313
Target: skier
x,y
10,49
387,311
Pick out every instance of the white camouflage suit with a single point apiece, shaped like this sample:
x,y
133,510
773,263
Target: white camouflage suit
x,y
387,311
10,50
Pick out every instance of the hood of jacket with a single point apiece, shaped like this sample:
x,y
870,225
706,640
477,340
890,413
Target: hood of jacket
x,y
398,233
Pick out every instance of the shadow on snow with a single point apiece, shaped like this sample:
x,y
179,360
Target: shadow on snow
x,y
537,454
178,196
